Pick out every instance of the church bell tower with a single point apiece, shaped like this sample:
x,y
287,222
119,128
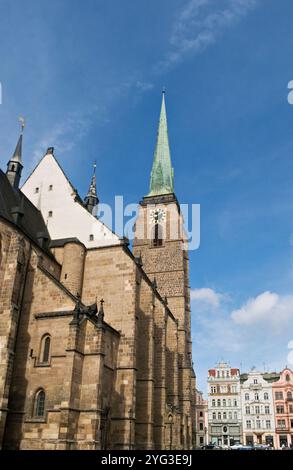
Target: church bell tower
x,y
160,242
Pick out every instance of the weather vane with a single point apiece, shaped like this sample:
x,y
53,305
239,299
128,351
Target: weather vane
x,y
22,123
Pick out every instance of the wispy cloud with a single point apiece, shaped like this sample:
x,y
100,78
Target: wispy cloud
x,y
200,23
207,297
66,134
63,135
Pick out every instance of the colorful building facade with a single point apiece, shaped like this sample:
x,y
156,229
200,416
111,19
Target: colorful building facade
x,y
283,408
257,409
224,407
201,410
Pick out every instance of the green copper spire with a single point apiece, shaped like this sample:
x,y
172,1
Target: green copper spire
x,y
162,176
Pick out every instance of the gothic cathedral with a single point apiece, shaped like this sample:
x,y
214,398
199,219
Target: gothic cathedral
x,y
95,338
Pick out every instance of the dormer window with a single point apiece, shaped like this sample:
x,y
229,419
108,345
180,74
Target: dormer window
x,y
51,187
91,237
37,190
50,214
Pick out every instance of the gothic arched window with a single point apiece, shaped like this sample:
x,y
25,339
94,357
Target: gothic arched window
x,y
45,348
157,235
39,404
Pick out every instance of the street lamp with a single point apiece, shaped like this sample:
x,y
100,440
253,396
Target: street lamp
x,y
170,419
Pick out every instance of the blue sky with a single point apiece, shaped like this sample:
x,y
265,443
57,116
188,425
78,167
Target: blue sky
x,y
88,75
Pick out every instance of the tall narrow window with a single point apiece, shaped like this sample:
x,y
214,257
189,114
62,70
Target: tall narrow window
x,y
46,351
157,235
44,355
39,408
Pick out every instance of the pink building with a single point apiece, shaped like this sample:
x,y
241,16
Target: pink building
x,y
201,420
283,405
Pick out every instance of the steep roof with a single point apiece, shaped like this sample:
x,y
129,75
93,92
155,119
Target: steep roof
x,y
162,175
12,200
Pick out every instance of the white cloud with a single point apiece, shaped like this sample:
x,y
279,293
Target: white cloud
x,y
200,23
144,86
207,296
268,308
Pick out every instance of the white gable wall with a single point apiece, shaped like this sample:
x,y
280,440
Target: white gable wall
x,y
69,218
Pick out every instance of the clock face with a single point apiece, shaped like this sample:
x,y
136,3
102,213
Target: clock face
x,y
157,216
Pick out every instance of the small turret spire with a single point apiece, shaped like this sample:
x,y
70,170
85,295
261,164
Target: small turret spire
x,y
14,166
162,175
91,200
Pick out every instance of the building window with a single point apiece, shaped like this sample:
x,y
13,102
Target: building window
x,y
289,395
45,349
291,424
50,187
200,414
280,410
291,409
228,373
224,415
279,395
268,424
281,423
200,426
257,410
247,410
37,190
235,402
214,416
224,402
235,415
201,440
213,403
91,237
255,381
287,377
267,410
258,424
219,402
213,389
246,396
266,396
230,414
157,235
50,214
39,405
256,397
219,416
248,424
